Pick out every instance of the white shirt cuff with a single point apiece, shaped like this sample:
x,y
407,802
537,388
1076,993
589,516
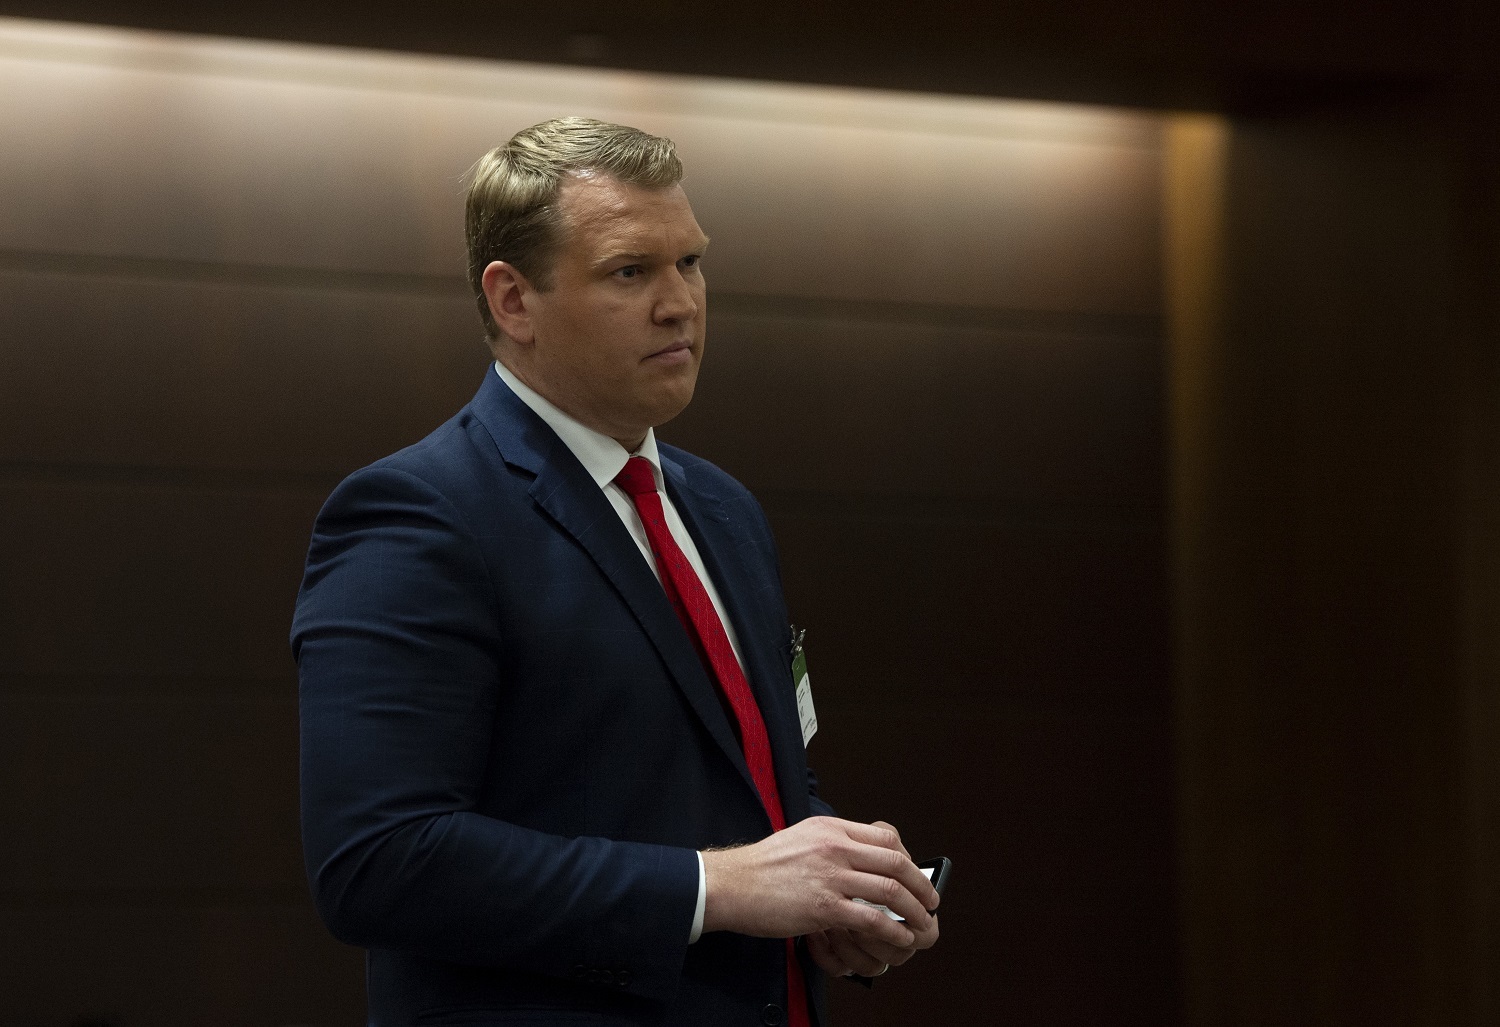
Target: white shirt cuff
x,y
697,931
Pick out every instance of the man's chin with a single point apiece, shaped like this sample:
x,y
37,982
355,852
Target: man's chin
x,y
670,403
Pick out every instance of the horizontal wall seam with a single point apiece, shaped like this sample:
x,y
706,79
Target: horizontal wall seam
x,y
236,273
1144,516
82,687
1005,320
151,476
25,899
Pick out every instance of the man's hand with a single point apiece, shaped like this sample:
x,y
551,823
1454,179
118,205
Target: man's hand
x,y
840,952
804,880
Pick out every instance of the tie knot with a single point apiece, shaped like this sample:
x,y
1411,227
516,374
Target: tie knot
x,y
636,477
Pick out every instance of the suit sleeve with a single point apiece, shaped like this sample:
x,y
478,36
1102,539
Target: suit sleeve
x,y
399,653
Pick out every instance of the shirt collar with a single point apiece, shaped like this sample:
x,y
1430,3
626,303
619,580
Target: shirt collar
x,y
601,456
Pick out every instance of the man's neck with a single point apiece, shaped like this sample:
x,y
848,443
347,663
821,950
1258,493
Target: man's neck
x,y
531,381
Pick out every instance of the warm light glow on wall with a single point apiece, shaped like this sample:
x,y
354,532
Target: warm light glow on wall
x,y
345,159
1196,162
1194,187
670,95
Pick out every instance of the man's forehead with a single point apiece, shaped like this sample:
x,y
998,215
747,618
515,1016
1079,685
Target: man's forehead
x,y
603,207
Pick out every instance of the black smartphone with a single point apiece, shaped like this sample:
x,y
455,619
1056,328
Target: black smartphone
x,y
937,871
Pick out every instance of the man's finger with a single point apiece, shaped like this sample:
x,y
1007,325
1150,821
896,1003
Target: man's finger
x,y
890,893
821,948
863,919
882,838
891,828
928,937
877,951
878,833
859,960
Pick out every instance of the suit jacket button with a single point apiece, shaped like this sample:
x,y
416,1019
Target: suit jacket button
x,y
622,978
772,1015
580,972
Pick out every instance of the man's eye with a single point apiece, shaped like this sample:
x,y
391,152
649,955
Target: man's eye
x,y
628,272
692,260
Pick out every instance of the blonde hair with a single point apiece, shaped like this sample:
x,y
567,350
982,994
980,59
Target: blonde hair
x,y
511,213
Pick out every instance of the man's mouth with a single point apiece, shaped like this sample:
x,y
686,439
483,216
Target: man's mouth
x,y
680,350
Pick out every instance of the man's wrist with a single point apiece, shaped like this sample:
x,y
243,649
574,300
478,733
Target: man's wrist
x,y
721,879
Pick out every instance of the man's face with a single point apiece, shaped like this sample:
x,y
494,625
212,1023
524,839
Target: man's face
x,y
617,339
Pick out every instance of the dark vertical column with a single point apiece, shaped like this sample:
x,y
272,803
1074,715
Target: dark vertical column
x,y
1329,496
1477,133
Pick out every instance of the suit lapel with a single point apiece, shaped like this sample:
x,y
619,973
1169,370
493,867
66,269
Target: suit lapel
x,y
719,545
564,490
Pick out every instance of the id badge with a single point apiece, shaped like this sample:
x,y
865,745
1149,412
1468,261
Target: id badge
x,y
805,712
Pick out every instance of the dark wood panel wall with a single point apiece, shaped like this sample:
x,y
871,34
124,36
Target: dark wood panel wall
x,y
1333,357
229,276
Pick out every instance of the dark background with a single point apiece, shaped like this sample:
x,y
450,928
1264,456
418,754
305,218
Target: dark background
x,y
1171,617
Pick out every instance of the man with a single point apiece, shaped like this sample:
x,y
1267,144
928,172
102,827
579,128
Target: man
x,y
553,769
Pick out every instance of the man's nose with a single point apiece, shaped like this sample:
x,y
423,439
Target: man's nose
x,y
677,300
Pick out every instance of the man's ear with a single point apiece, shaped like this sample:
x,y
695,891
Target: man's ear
x,y
510,296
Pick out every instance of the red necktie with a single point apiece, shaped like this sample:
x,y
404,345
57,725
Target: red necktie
x,y
696,611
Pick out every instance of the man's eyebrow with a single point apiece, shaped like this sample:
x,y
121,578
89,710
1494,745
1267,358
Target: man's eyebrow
x,y
624,258
614,255
633,255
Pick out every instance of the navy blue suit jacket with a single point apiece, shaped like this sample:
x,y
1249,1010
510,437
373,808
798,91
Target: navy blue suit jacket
x,y
510,747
